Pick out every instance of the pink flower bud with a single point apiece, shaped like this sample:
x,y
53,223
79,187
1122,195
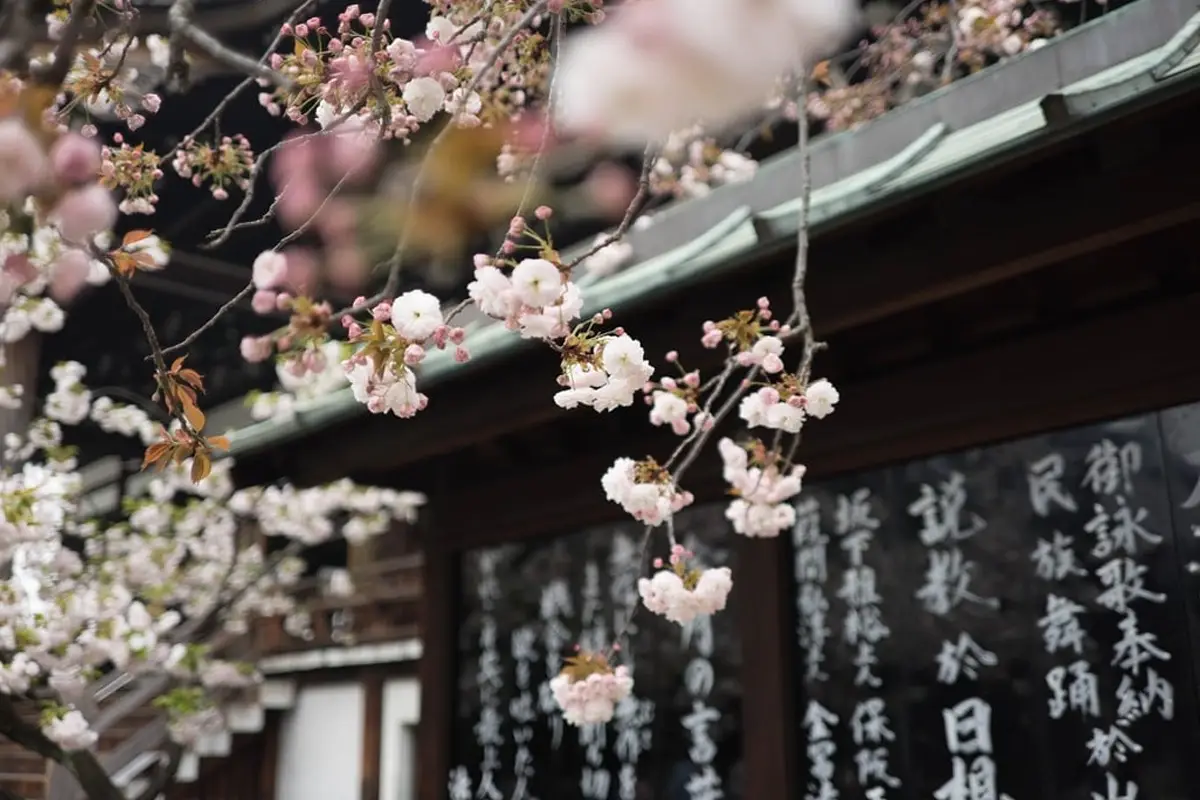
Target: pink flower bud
x,y
22,161
383,311
414,354
672,356
543,213
461,354
255,348
457,335
263,301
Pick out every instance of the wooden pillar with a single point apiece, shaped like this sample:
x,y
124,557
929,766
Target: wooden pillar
x,y
372,737
438,661
269,763
769,740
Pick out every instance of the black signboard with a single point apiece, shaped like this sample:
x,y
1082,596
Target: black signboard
x,y
1009,621
525,608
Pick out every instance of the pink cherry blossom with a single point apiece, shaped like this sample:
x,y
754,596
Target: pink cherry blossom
x,y
23,164
75,159
80,214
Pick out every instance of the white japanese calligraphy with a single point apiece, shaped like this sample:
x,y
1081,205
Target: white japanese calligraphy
x,y
1060,626
705,783
1054,559
969,740
962,657
1045,485
1082,694
1110,468
811,572
819,722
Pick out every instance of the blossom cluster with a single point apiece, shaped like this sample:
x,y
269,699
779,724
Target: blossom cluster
x,y
180,552
645,490
229,161
940,43
691,164
762,486
339,72
397,339
681,592
589,689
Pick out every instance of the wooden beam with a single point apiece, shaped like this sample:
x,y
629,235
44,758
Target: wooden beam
x,y
1114,365
985,237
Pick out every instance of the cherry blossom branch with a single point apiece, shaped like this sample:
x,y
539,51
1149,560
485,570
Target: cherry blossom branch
x,y
396,261
643,190
381,100
800,321
228,306
25,734
56,71
183,29
92,777
955,37
220,107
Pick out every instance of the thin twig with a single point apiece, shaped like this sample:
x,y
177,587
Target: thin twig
x,y
229,305
648,160
183,29
381,99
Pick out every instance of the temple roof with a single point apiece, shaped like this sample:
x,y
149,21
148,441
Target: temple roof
x,y
1142,53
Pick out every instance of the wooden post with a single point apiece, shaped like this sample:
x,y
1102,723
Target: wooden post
x,y
768,700
372,737
439,603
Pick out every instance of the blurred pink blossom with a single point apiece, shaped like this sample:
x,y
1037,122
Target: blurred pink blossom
x,y
659,65
75,159
82,213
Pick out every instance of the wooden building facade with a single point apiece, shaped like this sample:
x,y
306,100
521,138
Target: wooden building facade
x,y
993,583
